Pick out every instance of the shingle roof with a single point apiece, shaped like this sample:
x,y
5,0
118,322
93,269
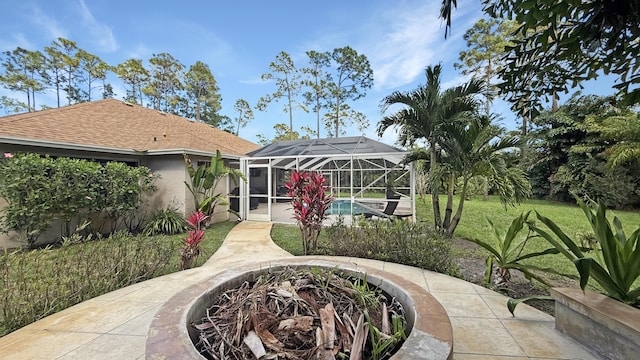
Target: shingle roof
x,y
115,124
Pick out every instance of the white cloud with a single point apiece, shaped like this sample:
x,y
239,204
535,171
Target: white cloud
x,y
101,34
402,47
411,37
49,24
399,40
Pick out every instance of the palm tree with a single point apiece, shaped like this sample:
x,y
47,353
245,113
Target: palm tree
x,y
425,113
477,148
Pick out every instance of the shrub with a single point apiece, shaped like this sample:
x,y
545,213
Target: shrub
x,y
508,252
41,282
121,189
310,202
27,189
165,221
191,247
401,242
40,190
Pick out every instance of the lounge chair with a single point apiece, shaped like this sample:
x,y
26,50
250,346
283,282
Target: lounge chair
x,y
389,209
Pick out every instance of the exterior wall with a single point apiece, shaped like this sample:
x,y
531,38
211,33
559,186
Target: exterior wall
x,y
89,155
171,190
10,240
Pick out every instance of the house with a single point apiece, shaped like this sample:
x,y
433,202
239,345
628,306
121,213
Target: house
x,y
113,130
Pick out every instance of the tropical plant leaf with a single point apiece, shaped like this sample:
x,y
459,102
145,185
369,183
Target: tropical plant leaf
x,y
584,269
620,268
486,246
549,251
512,303
488,270
575,251
619,231
205,180
514,229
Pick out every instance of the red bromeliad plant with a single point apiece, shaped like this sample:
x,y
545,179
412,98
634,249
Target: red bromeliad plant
x,y
310,201
191,248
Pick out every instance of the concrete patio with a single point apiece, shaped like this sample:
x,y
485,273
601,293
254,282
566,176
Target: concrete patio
x,y
115,325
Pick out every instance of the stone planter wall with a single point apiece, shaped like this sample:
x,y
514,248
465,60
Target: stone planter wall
x,y
607,327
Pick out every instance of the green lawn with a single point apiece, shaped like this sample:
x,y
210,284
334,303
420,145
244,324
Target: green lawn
x,y
569,218
289,238
473,223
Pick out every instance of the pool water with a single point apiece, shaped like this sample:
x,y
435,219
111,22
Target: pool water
x,y
343,207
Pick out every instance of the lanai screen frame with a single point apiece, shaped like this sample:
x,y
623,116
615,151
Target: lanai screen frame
x,y
332,165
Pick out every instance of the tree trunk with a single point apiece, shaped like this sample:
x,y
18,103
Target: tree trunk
x,y
28,100
485,185
317,107
456,219
435,201
337,120
57,88
198,110
304,239
449,209
290,116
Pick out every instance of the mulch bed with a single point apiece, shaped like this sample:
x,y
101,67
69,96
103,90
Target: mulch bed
x,y
302,314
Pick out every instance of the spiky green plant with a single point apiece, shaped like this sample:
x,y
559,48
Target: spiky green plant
x,y
166,221
616,267
507,252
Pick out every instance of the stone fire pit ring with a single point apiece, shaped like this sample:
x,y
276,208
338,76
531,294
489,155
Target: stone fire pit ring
x,y
430,335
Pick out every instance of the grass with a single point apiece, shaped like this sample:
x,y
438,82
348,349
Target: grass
x,y
289,238
570,218
473,223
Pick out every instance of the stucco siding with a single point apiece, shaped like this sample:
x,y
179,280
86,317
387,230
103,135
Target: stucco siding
x,y
171,190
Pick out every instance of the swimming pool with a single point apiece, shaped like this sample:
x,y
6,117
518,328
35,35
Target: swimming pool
x,y
343,207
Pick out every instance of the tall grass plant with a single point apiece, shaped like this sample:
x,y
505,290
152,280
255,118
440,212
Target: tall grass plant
x,y
40,282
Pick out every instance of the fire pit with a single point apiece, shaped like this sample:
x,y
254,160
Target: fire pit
x,y
428,330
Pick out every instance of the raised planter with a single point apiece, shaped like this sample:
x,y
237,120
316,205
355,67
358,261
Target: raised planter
x,y
608,327
430,335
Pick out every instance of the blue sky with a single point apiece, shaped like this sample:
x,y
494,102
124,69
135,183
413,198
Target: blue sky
x,y
238,39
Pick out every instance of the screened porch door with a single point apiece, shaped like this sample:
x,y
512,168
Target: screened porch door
x,y
259,192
